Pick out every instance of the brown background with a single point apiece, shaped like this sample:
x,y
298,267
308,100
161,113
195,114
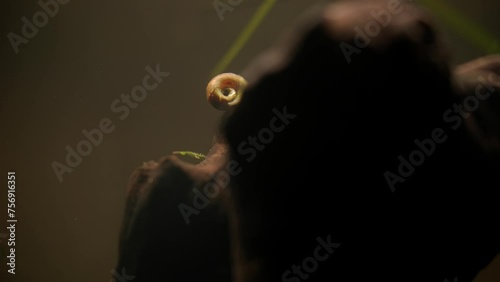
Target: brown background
x,y
64,80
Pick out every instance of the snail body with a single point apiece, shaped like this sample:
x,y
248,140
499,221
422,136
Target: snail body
x,y
225,90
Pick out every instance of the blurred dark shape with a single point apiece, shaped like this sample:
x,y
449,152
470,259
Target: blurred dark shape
x,y
324,174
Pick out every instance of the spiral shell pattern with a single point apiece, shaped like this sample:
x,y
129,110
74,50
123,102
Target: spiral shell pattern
x,y
225,90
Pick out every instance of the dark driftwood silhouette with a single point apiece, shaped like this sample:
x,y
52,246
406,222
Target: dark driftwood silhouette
x,y
324,176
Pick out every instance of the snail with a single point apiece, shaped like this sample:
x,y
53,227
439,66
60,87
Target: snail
x,y
225,90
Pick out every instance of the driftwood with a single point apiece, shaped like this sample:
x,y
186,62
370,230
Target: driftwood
x,y
333,167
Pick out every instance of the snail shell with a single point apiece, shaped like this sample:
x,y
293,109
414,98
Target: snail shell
x,y
225,90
